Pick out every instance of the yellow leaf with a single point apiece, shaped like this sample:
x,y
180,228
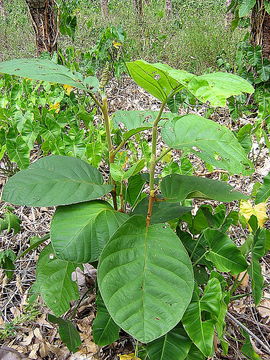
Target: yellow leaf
x,y
55,107
117,44
128,357
68,89
259,210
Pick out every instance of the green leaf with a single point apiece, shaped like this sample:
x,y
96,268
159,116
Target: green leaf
x,y
266,4
246,7
208,140
134,189
55,180
7,259
218,87
195,353
200,330
145,279
175,345
10,222
18,151
42,69
67,331
104,329
54,283
154,78
177,187
263,193
259,248
162,211
119,174
248,350
223,252
79,232
136,119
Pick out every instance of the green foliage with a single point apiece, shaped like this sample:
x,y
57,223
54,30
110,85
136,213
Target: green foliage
x,y
7,258
153,280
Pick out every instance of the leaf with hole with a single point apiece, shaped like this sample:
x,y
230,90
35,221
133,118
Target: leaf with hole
x,y
177,187
54,283
82,239
145,279
104,329
68,332
55,180
212,142
200,328
42,69
223,252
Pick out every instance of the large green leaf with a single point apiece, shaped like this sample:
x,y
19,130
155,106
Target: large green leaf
x,y
195,353
42,69
200,330
210,141
145,278
246,7
54,283
223,252
82,239
175,345
155,78
162,210
67,331
104,329
218,87
177,187
18,151
55,180
260,246
134,189
263,193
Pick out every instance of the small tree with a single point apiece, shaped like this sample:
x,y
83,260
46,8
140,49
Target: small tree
x,y
260,27
44,23
104,8
138,6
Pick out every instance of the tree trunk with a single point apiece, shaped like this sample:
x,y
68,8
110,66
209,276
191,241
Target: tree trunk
x,y
138,6
104,9
260,28
168,7
45,24
229,14
2,9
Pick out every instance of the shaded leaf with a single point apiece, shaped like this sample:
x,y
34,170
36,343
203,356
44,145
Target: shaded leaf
x,y
7,259
145,279
263,193
55,180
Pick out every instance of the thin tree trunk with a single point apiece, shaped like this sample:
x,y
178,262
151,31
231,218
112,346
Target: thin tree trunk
x,y
138,6
2,9
104,9
229,15
260,28
168,7
45,24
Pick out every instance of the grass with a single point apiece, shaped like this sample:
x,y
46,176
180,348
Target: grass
x,y
191,39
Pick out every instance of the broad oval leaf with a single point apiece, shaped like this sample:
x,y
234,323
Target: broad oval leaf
x,y
82,239
246,7
200,330
42,69
162,210
54,283
154,78
177,187
104,329
55,180
218,87
145,278
223,252
208,140
175,345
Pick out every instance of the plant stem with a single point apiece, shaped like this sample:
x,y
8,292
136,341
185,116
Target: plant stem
x,y
153,164
200,258
163,154
33,246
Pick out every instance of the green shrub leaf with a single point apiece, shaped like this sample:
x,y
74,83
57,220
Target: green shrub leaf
x,y
82,239
175,345
162,211
263,193
200,330
145,279
42,69
67,331
223,253
218,87
55,180
208,140
246,7
54,283
104,329
177,187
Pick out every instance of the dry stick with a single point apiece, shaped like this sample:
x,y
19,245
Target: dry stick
x,y
231,317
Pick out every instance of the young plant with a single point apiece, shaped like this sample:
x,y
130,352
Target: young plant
x,y
157,284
